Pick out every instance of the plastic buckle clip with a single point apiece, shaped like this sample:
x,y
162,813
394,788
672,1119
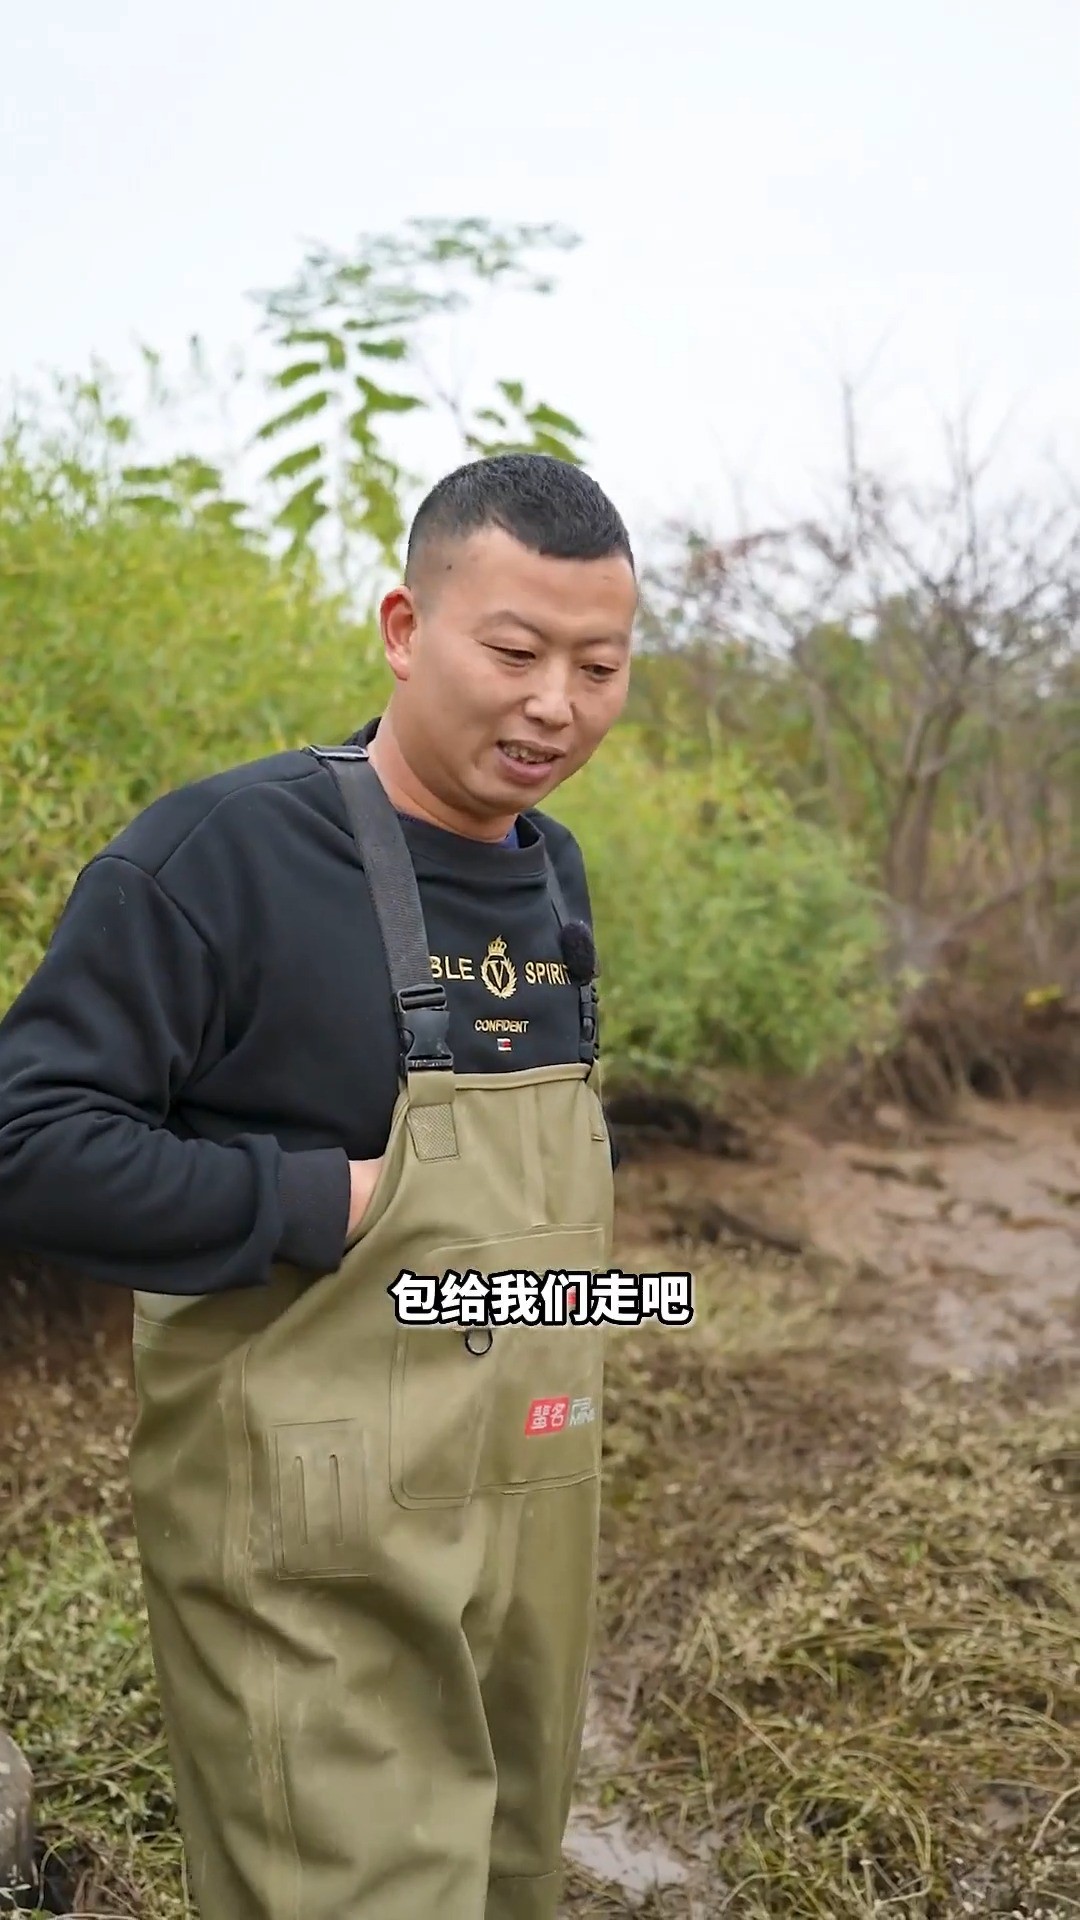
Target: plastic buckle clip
x,y
590,1045
424,1020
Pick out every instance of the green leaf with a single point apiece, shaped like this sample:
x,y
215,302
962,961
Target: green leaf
x,y
319,337
382,517
513,390
155,505
303,511
300,370
195,476
357,428
395,349
294,463
223,512
542,416
379,401
546,443
146,476
381,499
303,410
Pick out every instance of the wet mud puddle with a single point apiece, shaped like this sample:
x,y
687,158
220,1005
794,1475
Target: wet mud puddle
x,y
977,1237
603,1843
966,1240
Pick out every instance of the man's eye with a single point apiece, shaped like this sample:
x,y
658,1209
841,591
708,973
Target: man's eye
x,y
511,653
602,673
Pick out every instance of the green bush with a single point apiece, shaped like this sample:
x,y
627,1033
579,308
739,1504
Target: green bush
x,y
137,653
731,932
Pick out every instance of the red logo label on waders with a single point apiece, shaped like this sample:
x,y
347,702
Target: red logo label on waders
x,y
551,1416
547,1416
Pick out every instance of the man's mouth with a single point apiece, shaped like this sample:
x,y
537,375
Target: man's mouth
x,y
529,756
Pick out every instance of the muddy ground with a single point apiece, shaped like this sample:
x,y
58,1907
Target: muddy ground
x,y
860,1303
854,1287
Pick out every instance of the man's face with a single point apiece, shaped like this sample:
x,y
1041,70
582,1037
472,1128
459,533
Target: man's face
x,y
497,651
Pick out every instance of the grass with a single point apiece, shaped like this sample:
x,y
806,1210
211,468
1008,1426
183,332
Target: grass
x,y
81,1700
841,1627
869,1689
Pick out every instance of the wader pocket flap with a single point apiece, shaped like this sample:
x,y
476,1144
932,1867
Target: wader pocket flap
x,y
525,1413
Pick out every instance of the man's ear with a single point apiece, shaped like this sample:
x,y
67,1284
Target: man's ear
x,y
397,623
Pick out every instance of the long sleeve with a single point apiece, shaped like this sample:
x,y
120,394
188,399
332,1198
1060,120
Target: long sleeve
x,y
93,1054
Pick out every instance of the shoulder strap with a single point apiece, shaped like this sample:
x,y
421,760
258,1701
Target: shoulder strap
x,y
419,1001
589,1045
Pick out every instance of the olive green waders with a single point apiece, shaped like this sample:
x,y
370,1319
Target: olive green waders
x,y
368,1545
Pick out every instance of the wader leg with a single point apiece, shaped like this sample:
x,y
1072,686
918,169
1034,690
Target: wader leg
x,y
329,1741
324,1794
535,1694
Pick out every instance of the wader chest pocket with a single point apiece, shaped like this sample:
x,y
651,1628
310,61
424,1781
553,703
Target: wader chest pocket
x,y
526,1413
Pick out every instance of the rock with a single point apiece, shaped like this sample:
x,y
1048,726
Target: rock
x,y
17,1874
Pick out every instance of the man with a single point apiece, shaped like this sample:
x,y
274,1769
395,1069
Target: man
x,y
314,1039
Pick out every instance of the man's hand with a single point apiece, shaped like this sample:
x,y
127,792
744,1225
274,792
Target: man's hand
x,y
363,1175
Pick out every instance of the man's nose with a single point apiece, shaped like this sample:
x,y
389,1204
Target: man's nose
x,y
549,703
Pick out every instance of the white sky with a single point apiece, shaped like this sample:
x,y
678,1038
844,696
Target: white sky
x,y
765,195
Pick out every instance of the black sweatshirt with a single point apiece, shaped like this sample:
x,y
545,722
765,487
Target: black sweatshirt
x,y
210,1038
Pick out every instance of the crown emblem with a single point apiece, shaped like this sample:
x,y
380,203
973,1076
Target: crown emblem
x,y
497,970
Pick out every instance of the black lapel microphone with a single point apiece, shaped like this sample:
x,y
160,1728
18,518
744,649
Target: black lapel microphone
x,y
578,951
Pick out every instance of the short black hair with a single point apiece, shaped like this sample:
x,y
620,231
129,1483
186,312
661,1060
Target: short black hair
x,y
549,505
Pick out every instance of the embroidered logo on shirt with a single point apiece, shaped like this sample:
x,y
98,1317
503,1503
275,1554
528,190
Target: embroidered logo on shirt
x,y
497,970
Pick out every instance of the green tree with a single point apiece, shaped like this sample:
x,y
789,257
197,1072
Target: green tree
x,y
349,332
